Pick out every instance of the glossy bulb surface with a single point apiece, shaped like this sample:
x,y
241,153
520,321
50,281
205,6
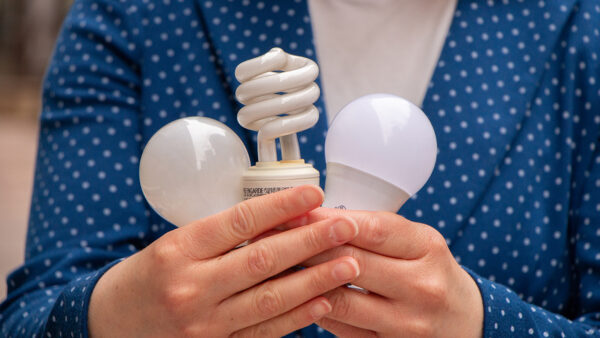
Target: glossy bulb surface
x,y
192,168
380,150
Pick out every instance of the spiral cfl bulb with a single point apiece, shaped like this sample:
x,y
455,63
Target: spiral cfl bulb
x,y
261,79
278,91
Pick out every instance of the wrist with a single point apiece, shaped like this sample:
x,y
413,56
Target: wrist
x,y
472,307
103,304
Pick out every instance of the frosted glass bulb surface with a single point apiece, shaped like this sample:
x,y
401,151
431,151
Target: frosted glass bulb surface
x,y
192,168
380,150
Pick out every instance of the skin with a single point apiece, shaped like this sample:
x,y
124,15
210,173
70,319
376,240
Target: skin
x,y
191,282
417,289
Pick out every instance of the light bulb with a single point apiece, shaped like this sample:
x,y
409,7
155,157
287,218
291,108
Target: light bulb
x,y
192,168
380,150
278,91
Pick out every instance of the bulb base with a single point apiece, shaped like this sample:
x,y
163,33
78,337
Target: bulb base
x,y
350,188
268,177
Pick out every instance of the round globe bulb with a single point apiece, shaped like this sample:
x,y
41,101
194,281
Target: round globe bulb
x,y
380,150
192,168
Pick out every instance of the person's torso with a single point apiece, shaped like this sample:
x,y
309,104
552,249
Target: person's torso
x,y
501,189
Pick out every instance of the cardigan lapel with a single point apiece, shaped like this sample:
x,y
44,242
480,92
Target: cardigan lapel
x,y
476,62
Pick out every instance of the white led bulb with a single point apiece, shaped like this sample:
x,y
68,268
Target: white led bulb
x,y
380,150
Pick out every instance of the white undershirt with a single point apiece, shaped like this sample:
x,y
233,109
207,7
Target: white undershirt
x,y
378,46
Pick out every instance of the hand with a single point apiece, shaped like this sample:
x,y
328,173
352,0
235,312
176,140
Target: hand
x,y
190,283
417,287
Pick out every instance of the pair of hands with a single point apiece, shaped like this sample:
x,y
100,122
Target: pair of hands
x,y
191,283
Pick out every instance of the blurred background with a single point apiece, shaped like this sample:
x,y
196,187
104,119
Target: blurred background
x,y
28,29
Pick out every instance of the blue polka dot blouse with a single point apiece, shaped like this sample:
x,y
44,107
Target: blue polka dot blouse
x,y
514,100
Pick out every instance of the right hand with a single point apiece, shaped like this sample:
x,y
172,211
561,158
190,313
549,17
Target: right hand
x,y
190,283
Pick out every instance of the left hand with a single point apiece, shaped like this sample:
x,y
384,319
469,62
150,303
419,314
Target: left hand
x,y
417,289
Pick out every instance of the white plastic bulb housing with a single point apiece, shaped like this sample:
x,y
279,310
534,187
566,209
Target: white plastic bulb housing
x,y
192,168
380,150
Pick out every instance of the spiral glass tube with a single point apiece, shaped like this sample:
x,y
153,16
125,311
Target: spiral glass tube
x,y
278,91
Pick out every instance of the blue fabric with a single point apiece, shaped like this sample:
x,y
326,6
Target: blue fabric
x,y
514,101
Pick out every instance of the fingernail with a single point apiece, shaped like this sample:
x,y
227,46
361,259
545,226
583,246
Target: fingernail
x,y
346,270
312,196
320,309
343,230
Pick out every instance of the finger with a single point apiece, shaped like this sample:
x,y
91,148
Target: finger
x,y
259,261
340,329
360,310
217,234
293,320
296,222
279,296
266,234
380,274
381,232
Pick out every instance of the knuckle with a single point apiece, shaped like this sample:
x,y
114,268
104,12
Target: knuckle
x,y
438,291
175,298
268,302
435,293
375,233
164,252
280,203
260,260
421,328
436,241
243,223
311,239
340,303
319,283
190,331
185,242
